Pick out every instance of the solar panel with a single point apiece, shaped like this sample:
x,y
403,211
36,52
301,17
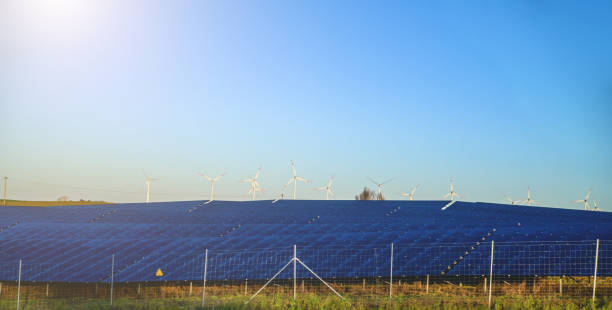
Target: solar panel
x,y
338,238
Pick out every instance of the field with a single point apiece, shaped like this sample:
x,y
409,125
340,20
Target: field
x,y
25,203
413,302
526,294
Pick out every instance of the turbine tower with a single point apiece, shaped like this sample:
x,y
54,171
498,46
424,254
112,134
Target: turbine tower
x,y
512,202
254,184
148,184
529,201
379,185
212,184
585,200
411,194
327,189
452,192
294,179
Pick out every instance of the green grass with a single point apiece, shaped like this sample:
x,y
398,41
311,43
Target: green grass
x,y
314,301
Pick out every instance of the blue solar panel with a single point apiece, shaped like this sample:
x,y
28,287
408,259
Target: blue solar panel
x,y
349,238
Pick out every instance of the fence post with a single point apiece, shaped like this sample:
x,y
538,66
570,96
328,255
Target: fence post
x,y
19,285
112,278
491,274
204,282
485,285
560,286
47,292
294,271
427,285
246,285
391,276
595,273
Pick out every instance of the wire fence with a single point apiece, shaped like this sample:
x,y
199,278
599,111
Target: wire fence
x,y
482,273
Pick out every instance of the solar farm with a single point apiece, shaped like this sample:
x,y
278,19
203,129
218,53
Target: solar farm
x,y
347,253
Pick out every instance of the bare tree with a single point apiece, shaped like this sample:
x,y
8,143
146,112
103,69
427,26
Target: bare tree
x,y
368,194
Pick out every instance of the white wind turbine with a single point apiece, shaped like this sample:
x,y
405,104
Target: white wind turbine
x,y
294,179
512,202
452,192
379,185
585,200
327,189
411,194
148,184
254,184
595,207
212,184
529,201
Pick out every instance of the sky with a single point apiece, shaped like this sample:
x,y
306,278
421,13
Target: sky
x,y
498,95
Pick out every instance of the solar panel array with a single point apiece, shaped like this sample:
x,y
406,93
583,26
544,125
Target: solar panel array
x,y
350,238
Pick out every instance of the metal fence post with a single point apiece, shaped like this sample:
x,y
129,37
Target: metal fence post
x,y
391,276
294,270
112,278
427,285
204,282
595,273
491,274
19,285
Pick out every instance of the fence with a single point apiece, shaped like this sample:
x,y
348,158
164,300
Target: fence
x,y
481,273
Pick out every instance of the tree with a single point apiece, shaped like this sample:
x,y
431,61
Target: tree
x,y
368,194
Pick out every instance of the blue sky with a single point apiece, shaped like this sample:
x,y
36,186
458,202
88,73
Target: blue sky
x,y
498,95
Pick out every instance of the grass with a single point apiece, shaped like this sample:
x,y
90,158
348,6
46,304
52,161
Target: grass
x,y
315,301
25,203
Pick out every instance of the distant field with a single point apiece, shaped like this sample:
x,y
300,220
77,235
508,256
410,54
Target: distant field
x,y
24,203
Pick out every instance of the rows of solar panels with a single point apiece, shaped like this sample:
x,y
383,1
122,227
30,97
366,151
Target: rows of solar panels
x,y
337,238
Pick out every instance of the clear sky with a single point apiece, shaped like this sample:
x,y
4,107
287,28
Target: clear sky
x,y
498,95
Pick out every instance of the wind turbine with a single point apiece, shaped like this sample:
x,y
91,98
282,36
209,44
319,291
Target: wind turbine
x,y
411,194
294,179
512,202
595,207
379,185
585,200
452,192
212,184
254,184
327,189
529,201
148,183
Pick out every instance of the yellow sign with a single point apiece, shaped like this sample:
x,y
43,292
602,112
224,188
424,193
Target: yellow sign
x,y
159,273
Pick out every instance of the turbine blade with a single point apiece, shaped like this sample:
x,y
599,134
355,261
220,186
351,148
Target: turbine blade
x,y
373,181
302,179
387,181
